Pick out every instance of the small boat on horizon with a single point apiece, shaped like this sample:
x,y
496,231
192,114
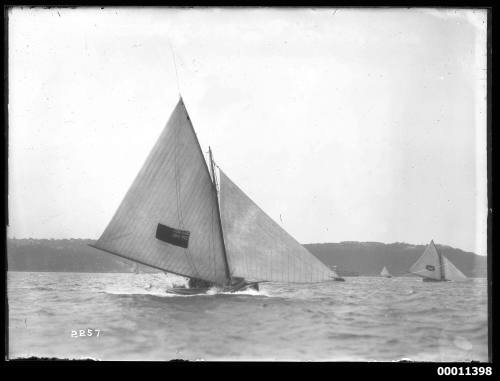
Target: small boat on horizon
x,y
335,275
433,266
385,273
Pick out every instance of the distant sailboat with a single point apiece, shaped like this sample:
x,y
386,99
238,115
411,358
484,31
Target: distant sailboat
x,y
385,273
336,276
432,266
180,217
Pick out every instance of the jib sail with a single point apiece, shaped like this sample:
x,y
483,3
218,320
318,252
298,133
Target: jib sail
x,y
257,248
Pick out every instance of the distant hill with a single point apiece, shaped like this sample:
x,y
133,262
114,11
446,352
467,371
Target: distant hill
x,y
368,258
66,255
351,258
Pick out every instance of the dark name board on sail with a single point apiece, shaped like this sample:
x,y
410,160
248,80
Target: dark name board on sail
x,y
172,236
430,267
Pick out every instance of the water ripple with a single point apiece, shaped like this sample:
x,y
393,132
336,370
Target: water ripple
x,y
362,319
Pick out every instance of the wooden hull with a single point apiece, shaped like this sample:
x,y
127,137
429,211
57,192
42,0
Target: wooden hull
x,y
187,291
204,290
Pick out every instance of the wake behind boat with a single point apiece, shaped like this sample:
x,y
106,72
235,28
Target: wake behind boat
x,y
433,266
180,217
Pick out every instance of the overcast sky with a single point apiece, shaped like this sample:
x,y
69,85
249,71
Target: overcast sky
x,y
350,124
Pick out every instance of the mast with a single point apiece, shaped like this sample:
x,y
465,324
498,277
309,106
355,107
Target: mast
x,y
441,262
226,264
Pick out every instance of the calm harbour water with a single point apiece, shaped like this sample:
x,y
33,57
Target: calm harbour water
x,y
362,319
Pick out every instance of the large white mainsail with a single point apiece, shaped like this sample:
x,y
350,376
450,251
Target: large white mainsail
x,y
257,248
169,217
433,265
429,264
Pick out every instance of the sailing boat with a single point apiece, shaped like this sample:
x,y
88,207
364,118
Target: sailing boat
x,y
433,266
385,273
182,218
335,274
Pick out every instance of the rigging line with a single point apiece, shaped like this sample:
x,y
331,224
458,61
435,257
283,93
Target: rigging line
x,y
175,66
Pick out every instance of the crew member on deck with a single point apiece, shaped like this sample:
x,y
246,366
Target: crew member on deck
x,y
198,283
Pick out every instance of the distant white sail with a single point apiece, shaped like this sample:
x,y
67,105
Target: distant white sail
x,y
168,218
432,264
385,272
428,265
258,249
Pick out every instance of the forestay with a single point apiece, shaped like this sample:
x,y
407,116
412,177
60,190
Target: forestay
x,y
168,218
258,249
